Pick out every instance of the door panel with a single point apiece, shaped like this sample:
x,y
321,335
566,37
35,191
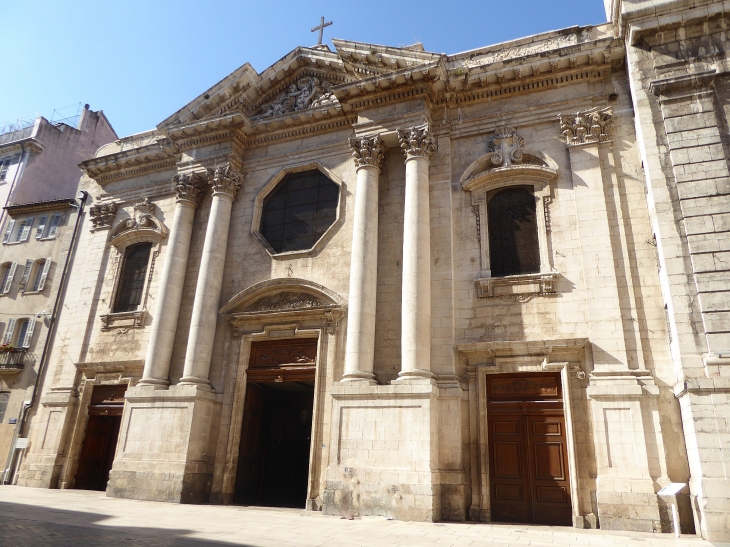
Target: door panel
x,y
528,461
508,467
549,466
249,473
97,452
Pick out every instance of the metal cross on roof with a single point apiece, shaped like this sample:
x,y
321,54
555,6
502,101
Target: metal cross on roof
x,y
320,28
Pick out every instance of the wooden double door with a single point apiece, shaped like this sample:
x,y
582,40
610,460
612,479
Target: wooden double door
x,y
273,456
100,439
528,456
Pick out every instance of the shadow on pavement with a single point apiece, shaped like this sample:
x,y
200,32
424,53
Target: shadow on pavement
x,y
24,525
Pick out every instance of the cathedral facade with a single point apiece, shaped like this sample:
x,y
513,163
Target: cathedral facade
x,y
380,280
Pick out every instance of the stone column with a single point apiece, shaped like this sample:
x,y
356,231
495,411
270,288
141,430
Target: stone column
x,y
225,182
360,350
417,144
190,188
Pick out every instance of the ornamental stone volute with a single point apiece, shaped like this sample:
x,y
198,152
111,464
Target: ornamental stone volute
x,y
588,126
190,187
417,142
367,151
225,180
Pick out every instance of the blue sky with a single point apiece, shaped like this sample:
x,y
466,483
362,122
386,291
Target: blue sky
x,y
140,61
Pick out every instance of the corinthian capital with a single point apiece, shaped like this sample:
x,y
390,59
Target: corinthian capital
x,y
417,142
588,126
225,180
367,151
190,187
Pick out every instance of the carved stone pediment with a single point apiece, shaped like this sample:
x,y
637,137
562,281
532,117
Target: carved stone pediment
x,y
285,301
142,225
506,162
305,92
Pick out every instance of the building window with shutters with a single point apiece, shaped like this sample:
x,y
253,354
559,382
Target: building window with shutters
x,y
6,277
131,285
4,398
38,273
20,332
23,233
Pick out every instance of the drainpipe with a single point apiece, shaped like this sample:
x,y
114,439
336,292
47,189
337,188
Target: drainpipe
x,y
28,405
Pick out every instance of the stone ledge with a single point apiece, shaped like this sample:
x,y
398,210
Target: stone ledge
x,y
518,288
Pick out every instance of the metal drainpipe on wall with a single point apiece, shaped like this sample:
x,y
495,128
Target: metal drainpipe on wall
x,y
10,472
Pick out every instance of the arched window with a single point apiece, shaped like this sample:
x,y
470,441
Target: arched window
x,y
132,279
513,239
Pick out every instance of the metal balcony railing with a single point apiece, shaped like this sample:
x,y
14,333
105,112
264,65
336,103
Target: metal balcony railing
x,y
13,359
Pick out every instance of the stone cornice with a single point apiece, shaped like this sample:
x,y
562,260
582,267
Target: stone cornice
x,y
40,206
22,144
151,157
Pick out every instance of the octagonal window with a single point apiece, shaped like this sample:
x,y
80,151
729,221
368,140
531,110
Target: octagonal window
x,y
299,210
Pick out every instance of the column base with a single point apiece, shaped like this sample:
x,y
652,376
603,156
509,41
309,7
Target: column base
x,y
359,377
415,376
195,381
154,382
167,444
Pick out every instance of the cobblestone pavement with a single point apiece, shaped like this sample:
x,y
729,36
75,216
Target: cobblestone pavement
x,y
77,518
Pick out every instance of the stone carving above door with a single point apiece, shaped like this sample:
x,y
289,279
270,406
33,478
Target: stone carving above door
x,y
306,92
285,301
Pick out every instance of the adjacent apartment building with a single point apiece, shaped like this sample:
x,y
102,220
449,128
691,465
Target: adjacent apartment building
x,y
39,176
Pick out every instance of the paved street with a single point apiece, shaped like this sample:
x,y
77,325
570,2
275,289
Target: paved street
x,y
65,518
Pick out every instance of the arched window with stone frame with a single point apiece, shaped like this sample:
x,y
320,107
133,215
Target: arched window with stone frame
x,y
511,189
135,244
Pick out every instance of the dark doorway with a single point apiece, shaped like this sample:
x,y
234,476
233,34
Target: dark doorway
x,y
273,458
528,456
100,439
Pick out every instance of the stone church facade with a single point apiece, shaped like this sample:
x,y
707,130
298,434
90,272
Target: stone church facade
x,y
379,280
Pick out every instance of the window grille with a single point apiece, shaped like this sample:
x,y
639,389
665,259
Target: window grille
x,y
513,239
299,210
131,282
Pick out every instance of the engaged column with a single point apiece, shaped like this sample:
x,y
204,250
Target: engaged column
x,y
418,145
360,350
225,182
190,188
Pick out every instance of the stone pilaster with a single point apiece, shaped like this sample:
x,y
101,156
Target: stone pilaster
x,y
621,391
368,153
418,145
225,182
190,188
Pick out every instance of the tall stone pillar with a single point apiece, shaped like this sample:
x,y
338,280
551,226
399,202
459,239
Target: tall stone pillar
x,y
418,145
226,182
360,350
190,188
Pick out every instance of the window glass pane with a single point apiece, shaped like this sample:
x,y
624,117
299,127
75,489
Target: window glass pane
x,y
513,242
299,211
38,274
4,398
131,282
21,333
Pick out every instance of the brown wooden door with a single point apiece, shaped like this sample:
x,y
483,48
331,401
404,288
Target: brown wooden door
x,y
528,458
248,475
550,489
97,453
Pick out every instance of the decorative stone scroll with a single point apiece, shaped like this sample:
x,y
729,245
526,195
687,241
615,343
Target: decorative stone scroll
x,y
285,301
367,151
102,216
588,126
506,147
190,187
225,180
417,142
305,93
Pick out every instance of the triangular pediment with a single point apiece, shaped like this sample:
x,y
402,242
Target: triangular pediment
x,y
303,80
